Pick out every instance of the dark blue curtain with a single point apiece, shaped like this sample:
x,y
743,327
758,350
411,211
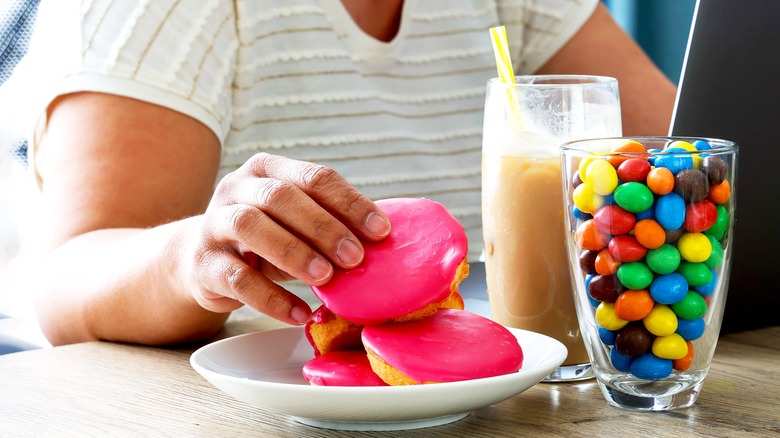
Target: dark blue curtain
x,y
16,22
661,27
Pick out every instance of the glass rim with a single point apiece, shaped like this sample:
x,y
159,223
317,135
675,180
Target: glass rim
x,y
541,81
719,146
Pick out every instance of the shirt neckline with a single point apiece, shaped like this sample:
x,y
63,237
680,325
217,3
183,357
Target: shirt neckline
x,y
361,42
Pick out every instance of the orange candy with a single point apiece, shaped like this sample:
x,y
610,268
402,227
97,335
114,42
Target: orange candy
x,y
649,233
720,193
633,305
605,263
588,237
660,180
684,363
633,147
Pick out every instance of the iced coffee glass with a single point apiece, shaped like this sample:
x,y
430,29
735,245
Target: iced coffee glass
x,y
526,264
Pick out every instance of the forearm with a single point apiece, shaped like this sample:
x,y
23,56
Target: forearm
x,y
601,47
143,249
120,285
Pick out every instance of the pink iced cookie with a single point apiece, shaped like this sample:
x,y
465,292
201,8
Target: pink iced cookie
x,y
341,368
326,332
418,265
449,346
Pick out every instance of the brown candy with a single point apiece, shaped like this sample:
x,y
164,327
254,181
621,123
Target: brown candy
x,y
672,236
691,184
715,168
576,180
588,261
605,288
633,340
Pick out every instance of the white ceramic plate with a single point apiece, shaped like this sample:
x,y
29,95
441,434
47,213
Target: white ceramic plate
x,y
264,370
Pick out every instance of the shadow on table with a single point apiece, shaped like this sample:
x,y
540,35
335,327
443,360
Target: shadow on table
x,y
11,344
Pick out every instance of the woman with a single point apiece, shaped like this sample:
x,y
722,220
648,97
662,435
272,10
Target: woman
x,y
154,103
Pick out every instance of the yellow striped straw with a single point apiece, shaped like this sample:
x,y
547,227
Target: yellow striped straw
x,y
506,73
501,50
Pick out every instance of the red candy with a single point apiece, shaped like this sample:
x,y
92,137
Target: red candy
x,y
700,216
626,248
614,220
634,170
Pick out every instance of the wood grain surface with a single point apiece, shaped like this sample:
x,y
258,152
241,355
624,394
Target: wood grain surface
x,y
103,389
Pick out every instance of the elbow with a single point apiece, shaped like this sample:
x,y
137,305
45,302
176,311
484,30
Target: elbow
x,y
58,327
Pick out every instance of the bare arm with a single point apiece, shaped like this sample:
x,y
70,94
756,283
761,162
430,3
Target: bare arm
x,y
140,251
601,47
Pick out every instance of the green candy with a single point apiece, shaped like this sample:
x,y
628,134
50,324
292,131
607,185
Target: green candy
x,y
664,259
718,229
692,306
635,275
696,274
634,197
716,257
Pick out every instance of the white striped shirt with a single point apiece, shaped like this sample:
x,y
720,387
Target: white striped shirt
x,y
299,78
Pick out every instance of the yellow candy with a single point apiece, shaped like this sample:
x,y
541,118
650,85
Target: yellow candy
x,y
583,167
585,200
690,148
661,321
670,347
683,145
694,247
605,317
601,177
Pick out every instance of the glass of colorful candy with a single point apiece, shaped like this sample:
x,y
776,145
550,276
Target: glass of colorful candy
x,y
649,232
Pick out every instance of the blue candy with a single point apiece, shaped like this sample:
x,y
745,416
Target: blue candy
x,y
607,336
651,367
647,214
580,215
670,211
709,288
653,154
619,361
669,288
690,329
593,302
702,145
673,161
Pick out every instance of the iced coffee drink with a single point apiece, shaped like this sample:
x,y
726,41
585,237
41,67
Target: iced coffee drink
x,y
522,201
526,261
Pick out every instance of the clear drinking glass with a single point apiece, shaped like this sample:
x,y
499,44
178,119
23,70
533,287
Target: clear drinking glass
x,y
649,231
522,210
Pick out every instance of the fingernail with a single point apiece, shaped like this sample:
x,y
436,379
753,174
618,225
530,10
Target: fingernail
x,y
300,315
376,224
349,253
319,269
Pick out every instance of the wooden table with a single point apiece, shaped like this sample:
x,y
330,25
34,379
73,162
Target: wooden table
x,y
105,389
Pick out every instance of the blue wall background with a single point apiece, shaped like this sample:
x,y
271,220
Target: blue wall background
x,y
661,28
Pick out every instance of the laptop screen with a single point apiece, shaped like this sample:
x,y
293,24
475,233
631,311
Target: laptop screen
x,y
730,89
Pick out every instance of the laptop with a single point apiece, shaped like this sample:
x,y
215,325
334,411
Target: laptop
x,y
729,88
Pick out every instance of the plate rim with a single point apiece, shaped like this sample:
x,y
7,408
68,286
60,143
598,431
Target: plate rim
x,y
515,331
511,384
